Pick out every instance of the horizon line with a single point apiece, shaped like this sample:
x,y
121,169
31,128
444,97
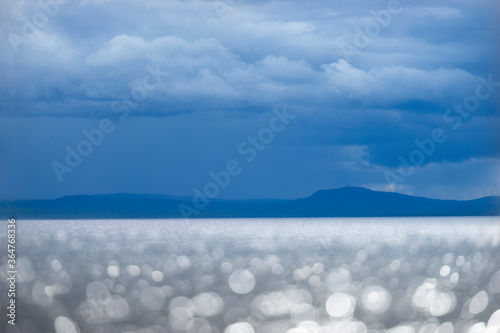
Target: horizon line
x,y
180,197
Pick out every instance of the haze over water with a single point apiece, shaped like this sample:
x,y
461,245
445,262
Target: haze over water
x,y
398,275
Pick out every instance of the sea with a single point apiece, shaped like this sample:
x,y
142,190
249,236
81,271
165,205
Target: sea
x,y
345,275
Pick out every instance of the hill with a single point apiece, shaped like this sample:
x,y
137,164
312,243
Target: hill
x,y
342,202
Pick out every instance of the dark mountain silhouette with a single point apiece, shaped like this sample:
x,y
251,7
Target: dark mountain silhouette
x,y
342,202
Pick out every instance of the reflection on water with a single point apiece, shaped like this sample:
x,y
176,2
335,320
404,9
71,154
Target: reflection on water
x,y
417,275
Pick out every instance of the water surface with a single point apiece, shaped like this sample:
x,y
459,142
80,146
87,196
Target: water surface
x,y
399,275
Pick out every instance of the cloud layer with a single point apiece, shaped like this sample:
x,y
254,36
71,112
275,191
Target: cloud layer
x,y
363,96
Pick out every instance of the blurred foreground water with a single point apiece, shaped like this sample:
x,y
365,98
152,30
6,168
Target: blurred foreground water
x,y
398,275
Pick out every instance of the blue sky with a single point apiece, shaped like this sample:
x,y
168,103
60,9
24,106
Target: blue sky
x,y
183,86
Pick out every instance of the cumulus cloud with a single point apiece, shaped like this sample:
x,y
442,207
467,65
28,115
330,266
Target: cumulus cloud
x,y
397,84
252,54
205,67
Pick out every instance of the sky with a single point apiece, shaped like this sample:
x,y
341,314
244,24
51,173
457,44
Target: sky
x,y
249,99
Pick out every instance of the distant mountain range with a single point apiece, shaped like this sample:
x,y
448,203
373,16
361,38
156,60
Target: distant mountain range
x,y
342,202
